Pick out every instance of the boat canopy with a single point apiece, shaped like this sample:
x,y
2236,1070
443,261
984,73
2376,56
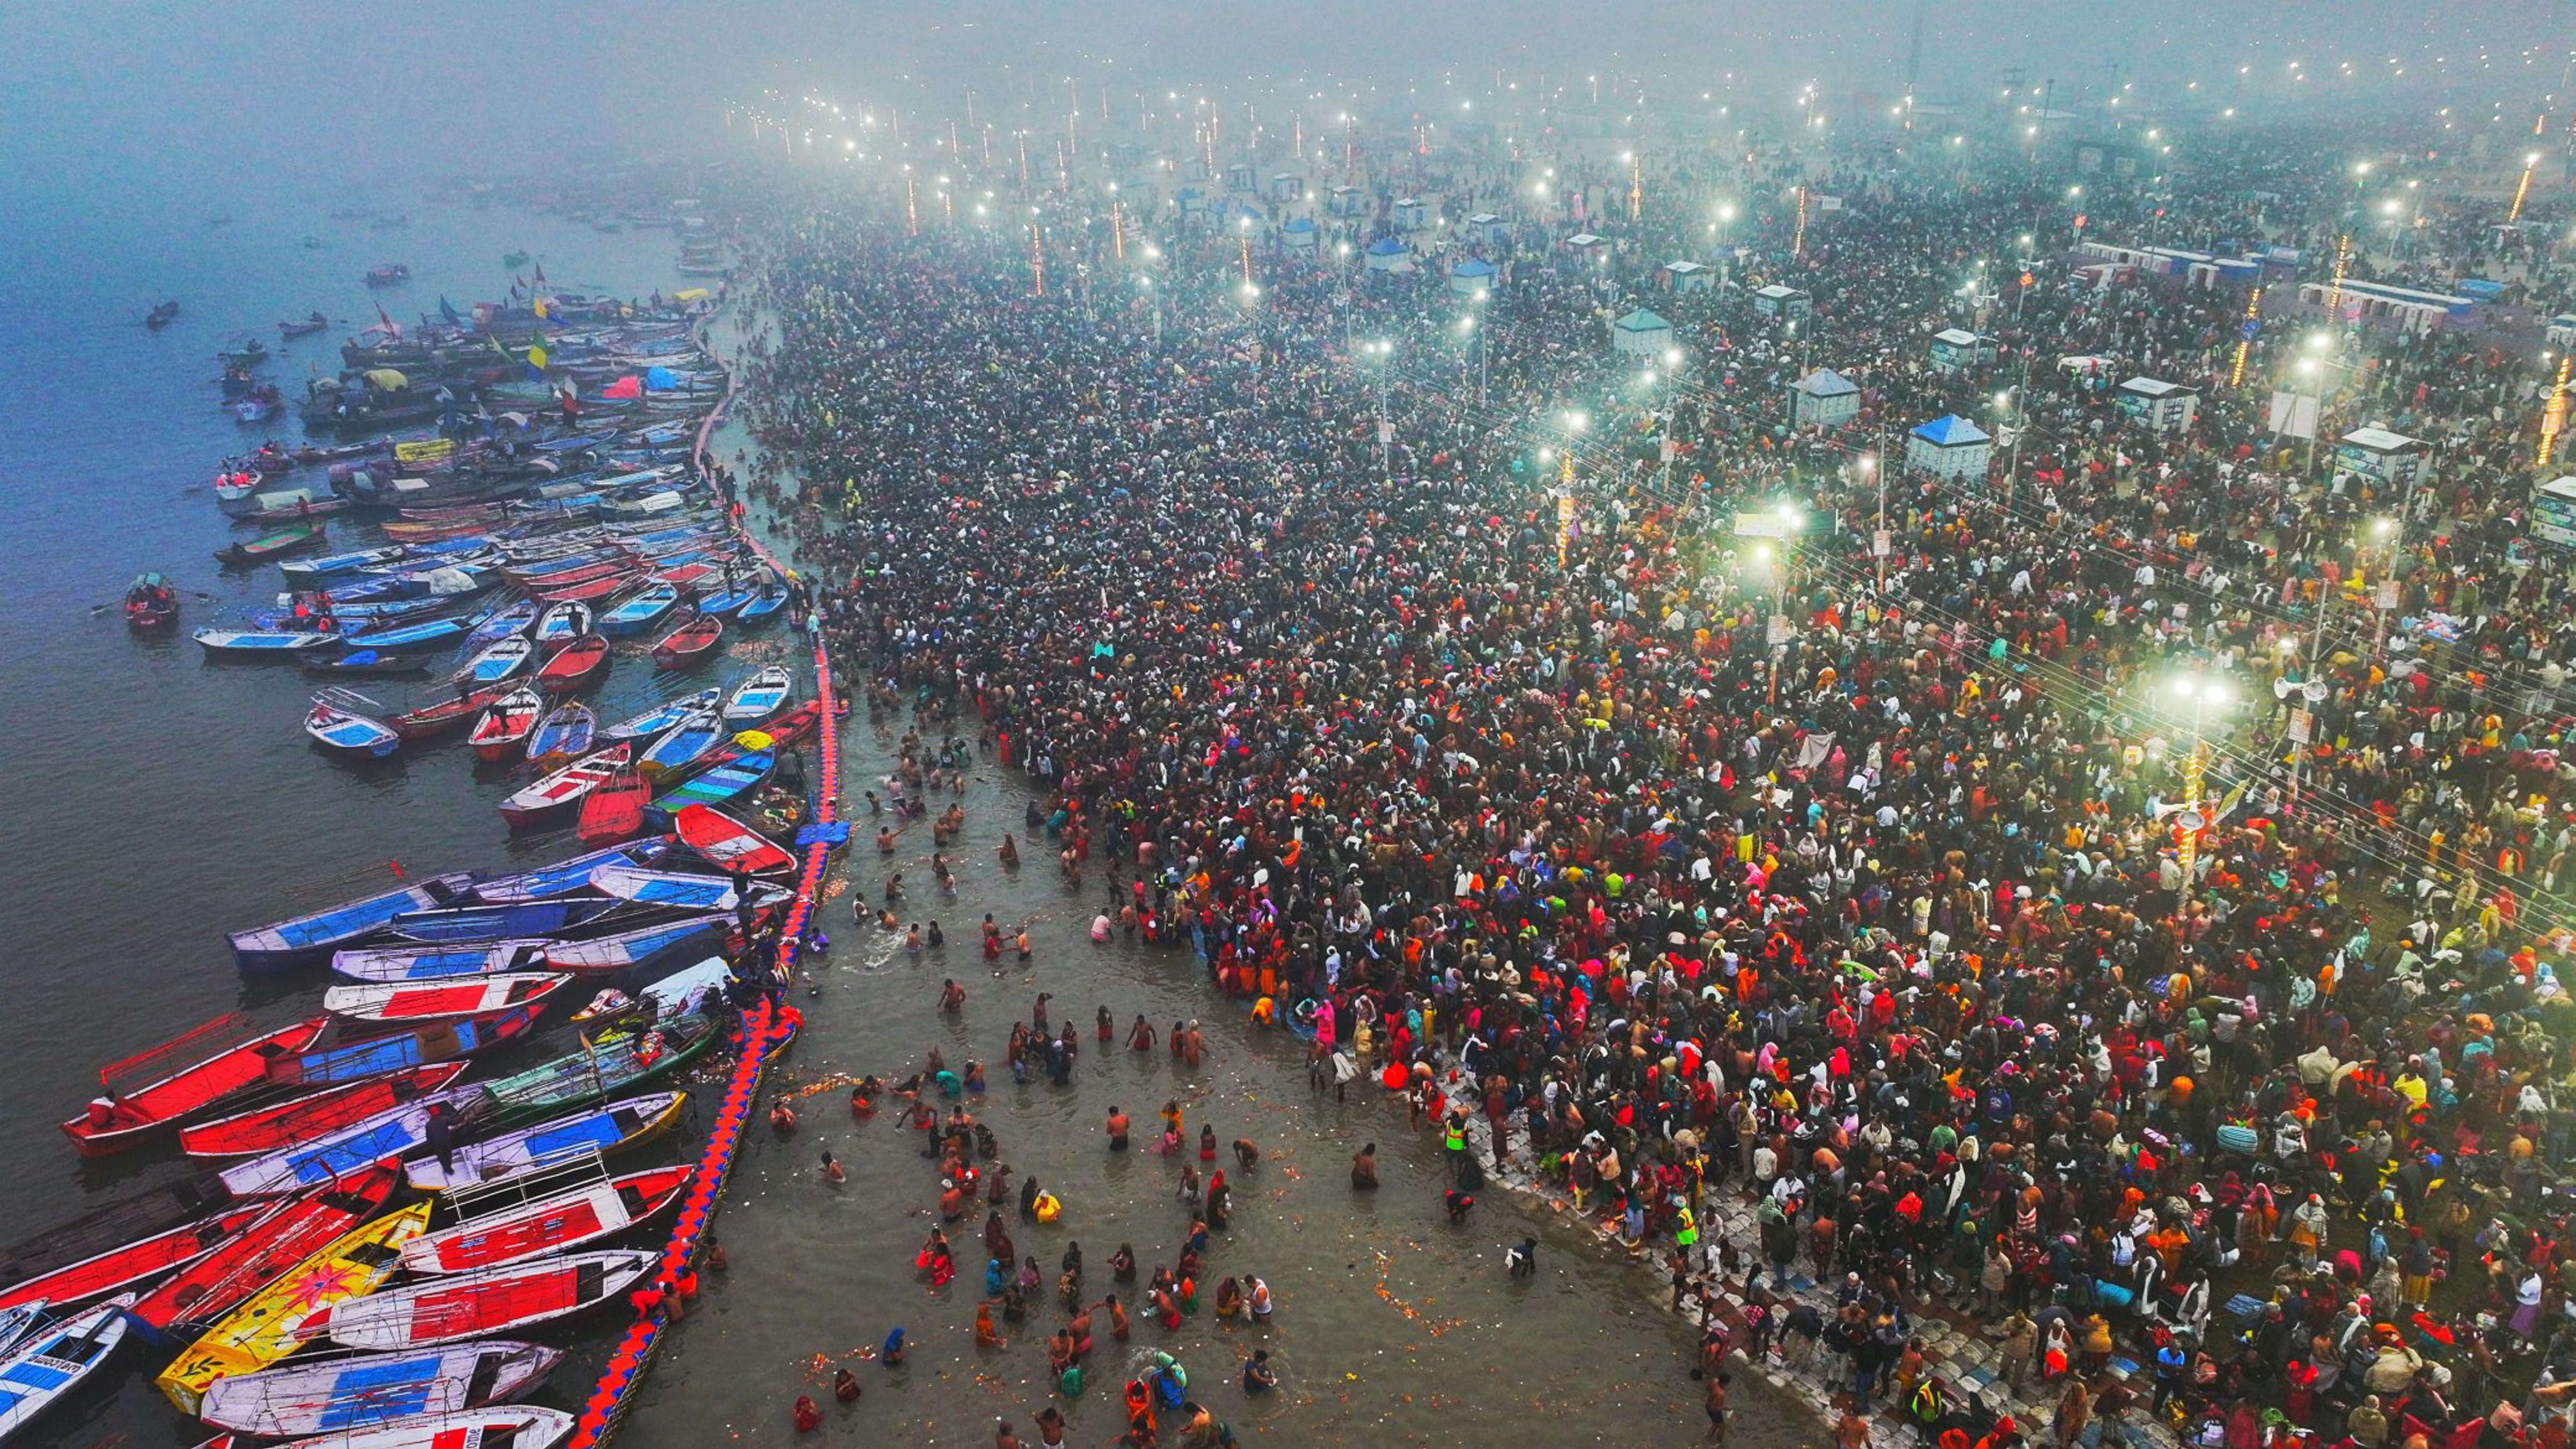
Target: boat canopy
x,y
445,583
386,379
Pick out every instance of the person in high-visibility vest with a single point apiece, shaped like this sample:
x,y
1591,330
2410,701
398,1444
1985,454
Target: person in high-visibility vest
x,y
1685,1226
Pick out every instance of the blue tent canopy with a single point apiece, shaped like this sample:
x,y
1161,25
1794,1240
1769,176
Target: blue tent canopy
x,y
662,379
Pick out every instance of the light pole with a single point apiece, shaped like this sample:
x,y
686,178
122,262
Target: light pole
x,y
2311,365
2205,694
1383,351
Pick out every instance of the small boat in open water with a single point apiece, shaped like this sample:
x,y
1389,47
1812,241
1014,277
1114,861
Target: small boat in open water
x,y
151,602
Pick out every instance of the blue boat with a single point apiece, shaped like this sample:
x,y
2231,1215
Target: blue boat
x,y
304,570
372,1391
722,784
759,699
659,718
640,612
377,1055
293,942
723,602
456,925
682,745
394,1132
427,634
263,644
565,877
679,892
602,1129
507,622
367,661
640,947
764,607
336,725
382,964
534,574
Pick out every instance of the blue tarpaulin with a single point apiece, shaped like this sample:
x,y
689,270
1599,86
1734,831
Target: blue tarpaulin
x,y
662,379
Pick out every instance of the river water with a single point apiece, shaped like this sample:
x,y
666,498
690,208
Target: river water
x,y
162,800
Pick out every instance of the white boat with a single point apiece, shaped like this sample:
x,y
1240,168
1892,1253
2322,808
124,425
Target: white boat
x,y
360,1392
677,891
335,724
52,1361
500,660
262,643
492,1300
506,1426
439,1000
757,700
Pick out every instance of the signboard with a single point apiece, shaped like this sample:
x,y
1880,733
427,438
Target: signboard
x,y
1761,525
2303,727
1881,544
2385,595
1780,631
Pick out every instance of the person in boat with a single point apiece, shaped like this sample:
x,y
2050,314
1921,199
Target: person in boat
x,y
438,1133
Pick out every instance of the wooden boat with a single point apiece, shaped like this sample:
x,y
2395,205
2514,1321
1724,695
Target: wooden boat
x,y
498,662
420,634
370,662
660,717
575,666
393,1133
275,545
719,784
439,1000
561,624
764,606
499,1426
641,946
374,1056
280,1318
263,643
310,1114
592,1068
567,877
682,746
565,787
415,962
313,570
439,716
371,1391
614,810
291,943
313,323
686,989
162,316
613,1127
380,1391
726,842
639,611
758,699
180,1079
175,1204
510,621
151,602
391,274
506,723
337,727
566,731
291,1230
674,891
481,1304
52,1362
132,1264
486,921
549,1224
690,643
589,592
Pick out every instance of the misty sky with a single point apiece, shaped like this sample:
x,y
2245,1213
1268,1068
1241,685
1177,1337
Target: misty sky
x,y
342,90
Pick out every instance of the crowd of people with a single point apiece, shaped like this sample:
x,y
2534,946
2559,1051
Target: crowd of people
x,y
2209,1058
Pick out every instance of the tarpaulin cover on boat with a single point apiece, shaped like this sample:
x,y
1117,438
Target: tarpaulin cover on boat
x,y
385,379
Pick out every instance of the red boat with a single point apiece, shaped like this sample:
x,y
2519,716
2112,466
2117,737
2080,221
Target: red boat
x,y
437,719
550,1224
553,584
506,724
478,1305
149,1091
615,811
287,1234
598,588
146,1258
689,643
567,786
688,573
728,843
313,1114
576,666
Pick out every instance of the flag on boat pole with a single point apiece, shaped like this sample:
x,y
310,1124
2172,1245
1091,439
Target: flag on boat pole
x,y
537,355
448,312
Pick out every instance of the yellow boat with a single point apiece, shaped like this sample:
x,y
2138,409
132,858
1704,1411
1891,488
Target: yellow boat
x,y
270,1325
